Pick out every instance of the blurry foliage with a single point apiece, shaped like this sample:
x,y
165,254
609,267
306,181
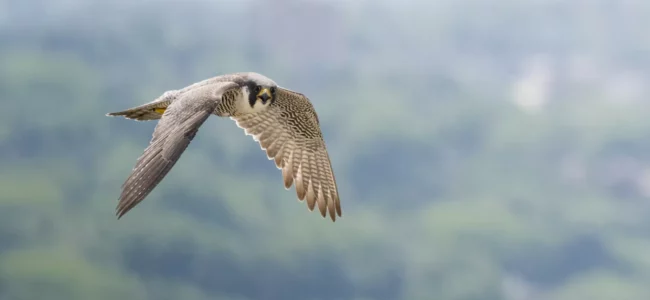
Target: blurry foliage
x,y
449,189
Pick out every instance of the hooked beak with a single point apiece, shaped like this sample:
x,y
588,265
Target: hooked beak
x,y
264,95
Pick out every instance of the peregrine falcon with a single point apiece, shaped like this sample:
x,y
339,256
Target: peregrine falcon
x,y
283,122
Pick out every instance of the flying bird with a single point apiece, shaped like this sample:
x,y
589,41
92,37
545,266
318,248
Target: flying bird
x,y
283,122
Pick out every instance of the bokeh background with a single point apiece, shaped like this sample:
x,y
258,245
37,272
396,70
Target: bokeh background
x,y
484,149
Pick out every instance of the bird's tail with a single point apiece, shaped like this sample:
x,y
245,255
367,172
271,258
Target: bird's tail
x,y
150,111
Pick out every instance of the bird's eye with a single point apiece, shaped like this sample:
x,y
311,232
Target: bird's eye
x,y
257,89
272,90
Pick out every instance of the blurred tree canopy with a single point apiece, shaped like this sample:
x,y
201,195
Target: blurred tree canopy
x,y
496,150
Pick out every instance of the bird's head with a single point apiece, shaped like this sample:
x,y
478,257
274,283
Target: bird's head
x,y
261,90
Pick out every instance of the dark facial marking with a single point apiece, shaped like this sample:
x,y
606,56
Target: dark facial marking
x,y
253,90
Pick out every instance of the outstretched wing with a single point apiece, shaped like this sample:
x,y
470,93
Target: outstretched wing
x,y
289,131
173,133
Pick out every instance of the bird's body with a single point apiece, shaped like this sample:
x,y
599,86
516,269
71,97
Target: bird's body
x,y
283,122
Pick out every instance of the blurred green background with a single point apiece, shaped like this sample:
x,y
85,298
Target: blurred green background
x,y
484,150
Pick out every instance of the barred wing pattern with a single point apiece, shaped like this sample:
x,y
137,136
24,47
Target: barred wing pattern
x,y
289,132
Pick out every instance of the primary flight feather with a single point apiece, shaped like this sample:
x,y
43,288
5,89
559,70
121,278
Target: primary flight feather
x,y
283,122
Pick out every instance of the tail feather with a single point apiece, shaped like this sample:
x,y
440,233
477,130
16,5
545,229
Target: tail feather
x,y
139,113
150,111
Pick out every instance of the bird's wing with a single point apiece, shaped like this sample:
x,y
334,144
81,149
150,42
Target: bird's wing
x,y
290,133
173,133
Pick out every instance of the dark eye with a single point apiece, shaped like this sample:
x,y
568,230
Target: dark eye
x,y
257,89
272,90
